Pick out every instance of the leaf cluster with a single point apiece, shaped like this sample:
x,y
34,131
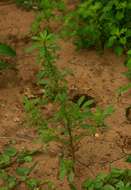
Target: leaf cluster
x,y
10,158
117,179
101,23
7,51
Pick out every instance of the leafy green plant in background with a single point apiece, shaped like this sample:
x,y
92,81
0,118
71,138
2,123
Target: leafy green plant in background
x,y
46,12
100,115
101,24
127,87
7,51
117,179
28,4
128,65
45,5
33,113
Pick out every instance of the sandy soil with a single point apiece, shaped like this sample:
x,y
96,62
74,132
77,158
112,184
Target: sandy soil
x,y
96,75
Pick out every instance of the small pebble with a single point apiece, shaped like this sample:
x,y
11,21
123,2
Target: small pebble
x,y
97,135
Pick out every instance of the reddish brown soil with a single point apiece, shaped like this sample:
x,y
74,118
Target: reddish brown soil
x,y
96,75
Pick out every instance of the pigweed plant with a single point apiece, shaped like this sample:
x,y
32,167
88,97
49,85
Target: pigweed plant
x,y
71,121
49,77
117,179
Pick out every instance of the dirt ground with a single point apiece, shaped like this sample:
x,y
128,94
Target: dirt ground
x,y
96,75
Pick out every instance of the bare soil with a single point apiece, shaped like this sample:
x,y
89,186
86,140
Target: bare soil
x,y
97,75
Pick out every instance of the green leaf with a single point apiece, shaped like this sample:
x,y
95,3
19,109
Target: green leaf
x,y
118,50
128,74
47,135
87,104
72,186
111,41
119,15
125,188
32,183
108,111
129,159
7,50
108,187
3,175
98,184
22,171
81,100
11,181
123,40
28,158
128,63
10,151
86,126
129,52
88,184
66,169
63,169
102,176
117,172
124,89
4,160
71,176
119,184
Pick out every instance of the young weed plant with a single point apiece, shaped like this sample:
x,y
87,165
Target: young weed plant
x,y
127,87
50,77
101,23
10,159
71,121
7,51
117,179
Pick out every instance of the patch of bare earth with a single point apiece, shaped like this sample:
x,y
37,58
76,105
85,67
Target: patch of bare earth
x,y
96,75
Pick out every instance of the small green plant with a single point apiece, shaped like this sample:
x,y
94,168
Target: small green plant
x,y
28,4
32,108
5,50
47,9
49,77
127,87
100,115
128,64
10,159
72,121
117,179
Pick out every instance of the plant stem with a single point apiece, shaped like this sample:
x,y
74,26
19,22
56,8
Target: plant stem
x,y
71,140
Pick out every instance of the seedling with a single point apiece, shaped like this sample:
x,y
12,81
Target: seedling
x,y
49,77
72,121
6,50
11,158
47,9
128,65
127,87
100,24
